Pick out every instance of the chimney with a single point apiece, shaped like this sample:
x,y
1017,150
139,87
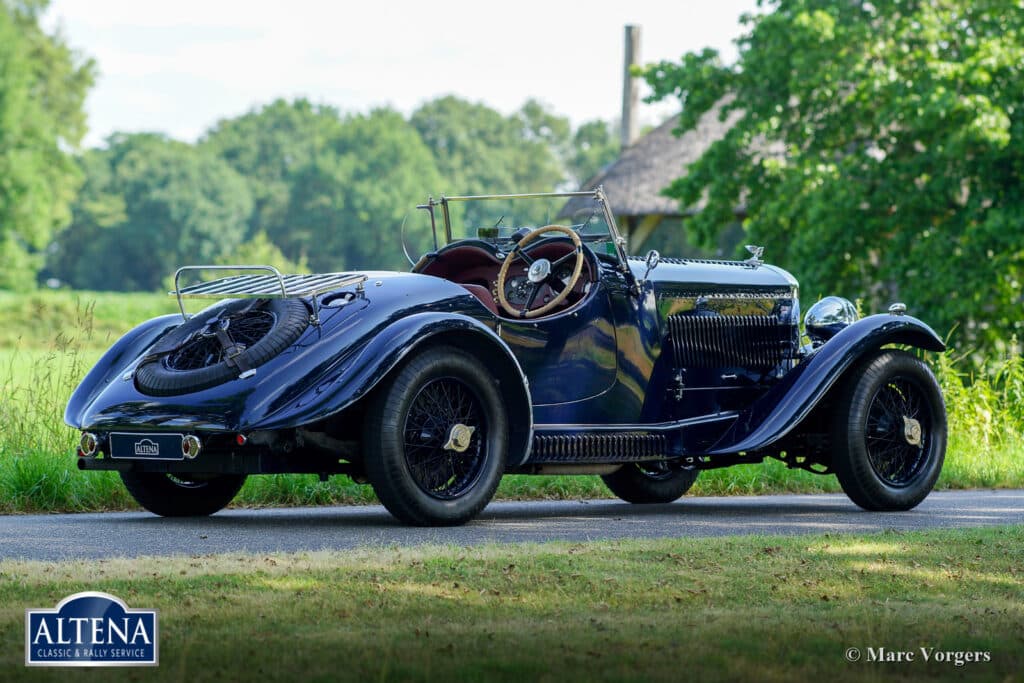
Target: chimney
x,y
630,86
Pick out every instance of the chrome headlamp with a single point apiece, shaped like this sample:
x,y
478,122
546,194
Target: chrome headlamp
x,y
827,317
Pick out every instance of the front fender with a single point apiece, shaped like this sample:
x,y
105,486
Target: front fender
x,y
786,404
112,364
381,354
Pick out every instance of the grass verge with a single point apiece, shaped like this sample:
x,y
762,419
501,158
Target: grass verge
x,y
739,608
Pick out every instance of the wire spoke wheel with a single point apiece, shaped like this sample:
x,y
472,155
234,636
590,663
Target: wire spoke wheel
x,y
889,432
893,455
213,346
182,494
654,481
436,438
204,349
658,470
440,468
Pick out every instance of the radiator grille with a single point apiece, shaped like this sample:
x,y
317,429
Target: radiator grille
x,y
721,341
622,447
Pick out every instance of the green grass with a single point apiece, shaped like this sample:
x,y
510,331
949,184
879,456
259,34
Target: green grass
x,y
90,320
718,609
42,361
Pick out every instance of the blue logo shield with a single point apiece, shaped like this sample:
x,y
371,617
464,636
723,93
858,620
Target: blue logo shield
x,y
91,629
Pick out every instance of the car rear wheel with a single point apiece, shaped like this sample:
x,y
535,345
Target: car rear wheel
x,y
182,495
650,482
889,434
436,439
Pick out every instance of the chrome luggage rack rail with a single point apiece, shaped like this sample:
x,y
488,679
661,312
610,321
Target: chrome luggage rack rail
x,y
272,286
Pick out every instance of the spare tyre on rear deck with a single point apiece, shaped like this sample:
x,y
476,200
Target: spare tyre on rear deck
x,y
220,343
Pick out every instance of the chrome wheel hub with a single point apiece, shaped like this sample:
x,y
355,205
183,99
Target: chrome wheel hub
x,y
912,431
459,438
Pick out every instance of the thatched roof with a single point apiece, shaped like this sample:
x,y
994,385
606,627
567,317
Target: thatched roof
x,y
633,183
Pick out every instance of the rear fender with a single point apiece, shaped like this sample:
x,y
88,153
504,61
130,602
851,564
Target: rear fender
x,y
402,339
115,362
786,404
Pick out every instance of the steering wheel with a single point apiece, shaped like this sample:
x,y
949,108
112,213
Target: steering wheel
x,y
541,271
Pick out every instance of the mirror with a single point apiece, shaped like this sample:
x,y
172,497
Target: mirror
x,y
652,261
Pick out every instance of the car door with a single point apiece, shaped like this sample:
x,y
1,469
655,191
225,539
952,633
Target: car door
x,y
570,356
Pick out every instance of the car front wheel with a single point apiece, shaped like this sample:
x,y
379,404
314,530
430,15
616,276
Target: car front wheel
x,y
889,433
650,482
435,439
182,495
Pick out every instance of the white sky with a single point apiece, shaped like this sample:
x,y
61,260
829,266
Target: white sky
x,y
179,66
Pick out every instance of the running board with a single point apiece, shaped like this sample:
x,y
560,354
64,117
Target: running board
x,y
618,443
597,448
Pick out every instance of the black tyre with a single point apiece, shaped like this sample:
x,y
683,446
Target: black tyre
x,y
889,433
650,482
193,357
182,495
436,439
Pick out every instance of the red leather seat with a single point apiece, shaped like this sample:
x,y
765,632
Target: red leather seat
x,y
484,295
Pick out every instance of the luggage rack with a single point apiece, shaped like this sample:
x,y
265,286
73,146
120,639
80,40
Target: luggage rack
x,y
271,286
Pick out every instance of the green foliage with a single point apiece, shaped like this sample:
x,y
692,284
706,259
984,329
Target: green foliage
x,y
260,250
43,84
37,321
878,152
348,203
19,265
268,147
149,205
480,151
594,146
298,184
986,420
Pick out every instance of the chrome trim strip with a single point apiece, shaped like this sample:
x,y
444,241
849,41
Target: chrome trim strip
x,y
668,293
653,427
529,195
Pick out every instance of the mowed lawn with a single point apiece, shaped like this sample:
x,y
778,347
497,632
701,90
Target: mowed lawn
x,y
725,609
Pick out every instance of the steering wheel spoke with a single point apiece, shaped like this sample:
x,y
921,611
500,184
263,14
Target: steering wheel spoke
x,y
531,299
521,253
559,261
541,272
555,283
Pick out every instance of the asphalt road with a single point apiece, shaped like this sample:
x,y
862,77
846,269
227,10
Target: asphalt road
x,y
133,534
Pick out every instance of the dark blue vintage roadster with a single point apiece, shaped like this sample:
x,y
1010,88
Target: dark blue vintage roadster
x,y
525,341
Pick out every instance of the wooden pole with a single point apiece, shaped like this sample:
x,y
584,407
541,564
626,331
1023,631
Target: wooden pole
x,y
630,86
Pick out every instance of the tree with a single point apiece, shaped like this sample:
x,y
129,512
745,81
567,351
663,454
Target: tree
x,y
43,84
594,146
480,151
148,206
878,152
268,146
258,249
348,203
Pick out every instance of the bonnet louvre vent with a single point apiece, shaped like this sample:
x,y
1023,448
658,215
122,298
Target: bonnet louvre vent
x,y
724,341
